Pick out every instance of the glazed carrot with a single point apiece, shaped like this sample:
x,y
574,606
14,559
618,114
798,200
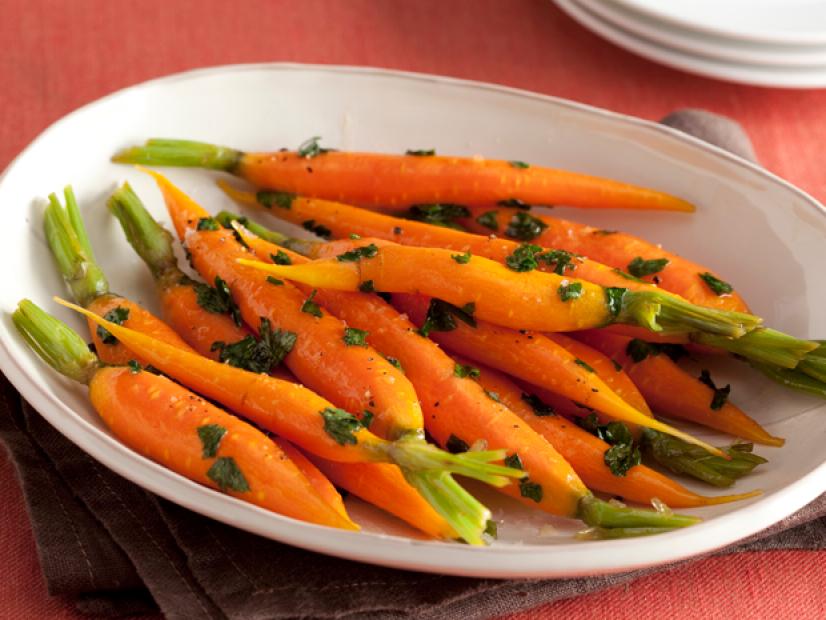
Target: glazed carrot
x,y
536,359
165,422
75,259
381,484
586,453
620,250
306,419
379,179
340,220
674,393
317,479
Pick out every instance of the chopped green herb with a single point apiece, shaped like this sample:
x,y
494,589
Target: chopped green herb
x,y
640,267
210,436
420,152
488,220
720,394
134,366
462,259
227,475
275,281
717,286
464,371
340,425
585,365
519,164
469,308
523,258
455,445
367,287
560,260
208,223
627,276
218,299
613,299
494,396
117,316
317,229
310,307
513,460
603,232
621,457
570,291
540,408
273,198
514,203
531,490
440,317
257,355
281,258
356,254
355,236
623,454
393,362
355,337
491,529
367,418
617,365
310,148
444,214
525,227
638,350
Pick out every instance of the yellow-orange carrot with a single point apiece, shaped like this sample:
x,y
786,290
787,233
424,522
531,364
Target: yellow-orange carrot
x,y
586,453
672,392
616,249
169,424
380,179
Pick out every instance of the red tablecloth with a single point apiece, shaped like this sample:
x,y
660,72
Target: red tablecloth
x,y
58,55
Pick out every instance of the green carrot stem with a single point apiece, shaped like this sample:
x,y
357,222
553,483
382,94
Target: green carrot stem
x,y
793,378
55,342
70,246
301,246
598,513
684,458
182,153
149,239
662,312
603,533
765,346
814,364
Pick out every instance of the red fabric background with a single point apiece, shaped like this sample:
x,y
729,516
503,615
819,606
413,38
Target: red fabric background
x,y
58,55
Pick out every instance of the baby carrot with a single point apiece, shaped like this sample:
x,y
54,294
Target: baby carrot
x,y
378,179
617,249
671,391
587,453
381,484
306,419
69,243
165,422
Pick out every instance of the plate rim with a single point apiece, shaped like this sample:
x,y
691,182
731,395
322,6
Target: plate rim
x,y
453,559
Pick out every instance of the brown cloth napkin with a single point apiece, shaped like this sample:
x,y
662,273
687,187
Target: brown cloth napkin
x,y
118,550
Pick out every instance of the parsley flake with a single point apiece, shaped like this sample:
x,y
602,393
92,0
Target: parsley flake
x,y
444,214
275,281
354,255
584,364
367,418
488,220
513,460
462,259
464,371
281,258
317,229
623,454
355,337
491,529
134,366
514,203
441,317
515,163
720,394
355,236
393,362
367,287
523,258
454,445
626,276
640,267
531,490
227,475
560,260
310,148
540,408
341,425
494,396
210,436
602,232
117,316
310,307
717,286
525,227
208,223
257,355
638,350
614,297
570,291
218,299
274,198
420,152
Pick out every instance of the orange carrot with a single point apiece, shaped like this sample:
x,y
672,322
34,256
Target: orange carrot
x,y
401,180
621,251
320,483
674,393
586,453
169,424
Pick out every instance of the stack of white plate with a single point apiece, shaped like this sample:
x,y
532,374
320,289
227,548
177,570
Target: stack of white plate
x,y
766,42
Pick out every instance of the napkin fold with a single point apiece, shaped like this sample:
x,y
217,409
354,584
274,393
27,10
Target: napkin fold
x,y
118,550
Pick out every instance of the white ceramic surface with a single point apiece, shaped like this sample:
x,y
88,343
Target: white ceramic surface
x,y
766,236
704,44
785,22
745,73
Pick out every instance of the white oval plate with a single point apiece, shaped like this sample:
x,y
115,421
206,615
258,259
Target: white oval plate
x,y
664,53
766,235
